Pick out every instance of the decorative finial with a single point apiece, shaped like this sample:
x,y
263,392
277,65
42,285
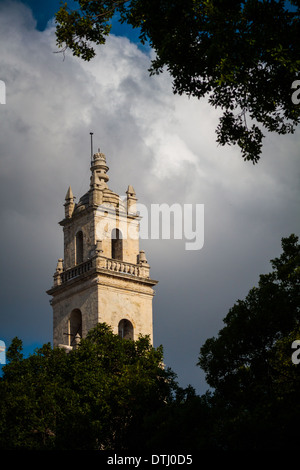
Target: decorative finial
x,y
69,204
69,195
99,169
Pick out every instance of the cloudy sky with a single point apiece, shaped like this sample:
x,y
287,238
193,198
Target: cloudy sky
x,y
164,145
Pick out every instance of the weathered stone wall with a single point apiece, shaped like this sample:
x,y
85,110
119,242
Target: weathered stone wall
x,y
83,296
120,299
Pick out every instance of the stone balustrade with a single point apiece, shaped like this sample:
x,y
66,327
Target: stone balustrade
x,y
121,266
98,261
77,270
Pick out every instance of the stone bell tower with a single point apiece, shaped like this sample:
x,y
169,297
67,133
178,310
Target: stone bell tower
x,y
104,277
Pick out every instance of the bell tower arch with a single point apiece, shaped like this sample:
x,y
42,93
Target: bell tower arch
x,y
103,276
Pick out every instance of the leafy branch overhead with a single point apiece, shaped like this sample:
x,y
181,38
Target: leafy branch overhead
x,y
243,56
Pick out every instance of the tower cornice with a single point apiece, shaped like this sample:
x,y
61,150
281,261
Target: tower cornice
x,y
103,276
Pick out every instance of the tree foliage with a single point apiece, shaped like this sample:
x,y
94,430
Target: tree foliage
x,y
249,363
114,394
242,55
95,397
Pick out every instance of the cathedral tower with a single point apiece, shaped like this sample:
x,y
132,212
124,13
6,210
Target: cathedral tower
x,y
104,277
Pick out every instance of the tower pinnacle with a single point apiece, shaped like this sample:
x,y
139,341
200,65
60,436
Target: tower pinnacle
x,y
69,194
99,169
69,204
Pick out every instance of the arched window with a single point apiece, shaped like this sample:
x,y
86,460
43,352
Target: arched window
x,y
116,244
125,329
79,248
75,327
